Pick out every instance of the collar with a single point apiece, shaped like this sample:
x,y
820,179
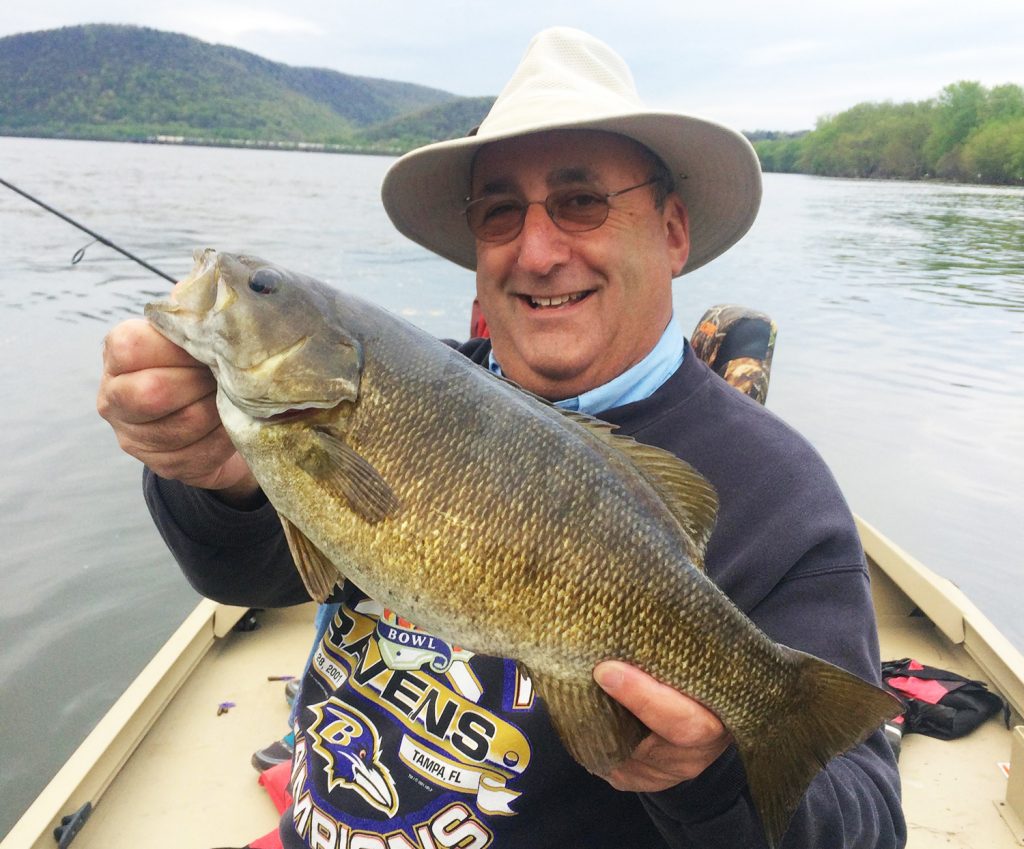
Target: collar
x,y
635,383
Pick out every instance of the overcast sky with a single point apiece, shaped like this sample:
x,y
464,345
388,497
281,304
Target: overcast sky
x,y
771,64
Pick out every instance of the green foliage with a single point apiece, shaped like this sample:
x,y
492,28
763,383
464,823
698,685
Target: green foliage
x,y
959,111
870,140
1005,102
132,83
437,123
967,133
118,82
995,153
778,152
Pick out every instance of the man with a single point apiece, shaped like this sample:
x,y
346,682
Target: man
x,y
577,207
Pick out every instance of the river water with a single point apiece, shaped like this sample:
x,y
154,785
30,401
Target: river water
x,y
900,355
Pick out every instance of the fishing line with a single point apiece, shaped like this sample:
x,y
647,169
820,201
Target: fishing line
x,y
96,236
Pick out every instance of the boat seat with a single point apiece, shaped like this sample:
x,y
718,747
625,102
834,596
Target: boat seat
x,y
737,343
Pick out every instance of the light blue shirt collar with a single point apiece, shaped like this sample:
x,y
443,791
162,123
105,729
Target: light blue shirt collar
x,y
635,383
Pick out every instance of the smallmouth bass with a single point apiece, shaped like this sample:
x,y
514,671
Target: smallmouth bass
x,y
476,510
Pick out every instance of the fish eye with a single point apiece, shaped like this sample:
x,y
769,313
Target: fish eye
x,y
265,281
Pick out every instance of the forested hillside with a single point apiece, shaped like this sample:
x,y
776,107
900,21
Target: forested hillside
x,y
118,82
969,133
103,81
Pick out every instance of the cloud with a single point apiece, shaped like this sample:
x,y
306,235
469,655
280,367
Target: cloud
x,y
775,66
231,24
784,53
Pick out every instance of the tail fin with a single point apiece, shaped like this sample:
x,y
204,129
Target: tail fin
x,y
828,712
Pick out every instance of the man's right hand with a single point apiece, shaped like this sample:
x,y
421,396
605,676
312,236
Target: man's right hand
x,y
161,403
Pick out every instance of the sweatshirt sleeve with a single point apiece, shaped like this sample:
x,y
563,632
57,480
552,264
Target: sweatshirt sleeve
x,y
231,556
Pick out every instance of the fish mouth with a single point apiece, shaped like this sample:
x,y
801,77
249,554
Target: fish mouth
x,y
198,293
555,302
192,299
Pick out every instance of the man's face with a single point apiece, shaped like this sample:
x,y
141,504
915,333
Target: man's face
x,y
570,311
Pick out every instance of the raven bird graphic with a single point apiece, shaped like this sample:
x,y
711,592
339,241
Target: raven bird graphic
x,y
350,747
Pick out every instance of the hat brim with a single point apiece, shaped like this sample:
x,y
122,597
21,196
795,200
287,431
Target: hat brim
x,y
718,177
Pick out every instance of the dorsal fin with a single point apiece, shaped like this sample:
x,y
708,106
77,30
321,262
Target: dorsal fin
x,y
688,495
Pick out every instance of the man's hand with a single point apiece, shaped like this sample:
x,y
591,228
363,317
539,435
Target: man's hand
x,y
161,404
686,737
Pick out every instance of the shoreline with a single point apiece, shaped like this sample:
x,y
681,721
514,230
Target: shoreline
x,y
366,150
243,144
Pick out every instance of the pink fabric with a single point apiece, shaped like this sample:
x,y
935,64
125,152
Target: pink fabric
x,y
275,782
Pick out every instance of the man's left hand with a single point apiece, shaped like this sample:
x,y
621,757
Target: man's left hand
x,y
685,736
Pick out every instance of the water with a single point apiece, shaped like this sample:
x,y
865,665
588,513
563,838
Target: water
x,y
900,354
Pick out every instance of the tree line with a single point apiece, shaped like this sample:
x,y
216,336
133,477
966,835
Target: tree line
x,y
968,133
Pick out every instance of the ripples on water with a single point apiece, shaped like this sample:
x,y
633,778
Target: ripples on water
x,y
900,355
952,244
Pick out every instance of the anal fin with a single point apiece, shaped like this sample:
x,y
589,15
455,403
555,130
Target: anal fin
x,y
318,573
596,730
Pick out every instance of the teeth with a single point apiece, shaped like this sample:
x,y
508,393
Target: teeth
x,y
556,301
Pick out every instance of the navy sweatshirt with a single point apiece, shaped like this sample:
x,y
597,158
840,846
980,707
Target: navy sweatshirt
x,y
404,741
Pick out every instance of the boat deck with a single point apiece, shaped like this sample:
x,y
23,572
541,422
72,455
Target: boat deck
x,y
948,797
189,783
208,795
205,792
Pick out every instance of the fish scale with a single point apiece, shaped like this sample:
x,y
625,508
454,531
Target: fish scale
x,y
501,524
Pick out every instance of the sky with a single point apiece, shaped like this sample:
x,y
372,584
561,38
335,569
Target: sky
x,y
769,65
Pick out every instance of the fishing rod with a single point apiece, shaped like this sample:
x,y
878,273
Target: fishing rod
x,y
96,236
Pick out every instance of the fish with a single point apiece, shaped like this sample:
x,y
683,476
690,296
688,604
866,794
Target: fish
x,y
500,523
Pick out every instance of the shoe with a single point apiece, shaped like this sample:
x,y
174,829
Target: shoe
x,y
280,751
291,690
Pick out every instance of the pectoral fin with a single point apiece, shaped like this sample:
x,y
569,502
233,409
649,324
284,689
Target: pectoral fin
x,y
318,573
336,465
597,731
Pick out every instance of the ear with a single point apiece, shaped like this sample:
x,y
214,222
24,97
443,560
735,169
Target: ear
x,y
677,232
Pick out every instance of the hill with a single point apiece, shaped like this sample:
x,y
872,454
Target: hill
x,y
104,81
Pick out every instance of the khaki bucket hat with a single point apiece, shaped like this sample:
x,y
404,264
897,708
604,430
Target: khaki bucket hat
x,y
569,80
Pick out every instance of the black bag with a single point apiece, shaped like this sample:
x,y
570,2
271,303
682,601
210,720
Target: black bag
x,y
940,703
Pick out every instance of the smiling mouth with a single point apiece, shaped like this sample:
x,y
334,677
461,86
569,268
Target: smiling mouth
x,y
539,303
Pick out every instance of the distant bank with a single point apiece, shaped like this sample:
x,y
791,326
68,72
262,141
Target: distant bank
x,y
258,144
124,83
968,133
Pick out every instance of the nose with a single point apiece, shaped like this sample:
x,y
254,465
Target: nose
x,y
542,245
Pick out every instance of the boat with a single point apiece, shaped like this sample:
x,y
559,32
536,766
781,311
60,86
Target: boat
x,y
169,764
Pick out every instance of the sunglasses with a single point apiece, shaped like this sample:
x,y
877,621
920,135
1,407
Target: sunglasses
x,y
499,218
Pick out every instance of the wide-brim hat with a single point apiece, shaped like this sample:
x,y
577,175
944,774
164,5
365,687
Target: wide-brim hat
x,y
569,80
